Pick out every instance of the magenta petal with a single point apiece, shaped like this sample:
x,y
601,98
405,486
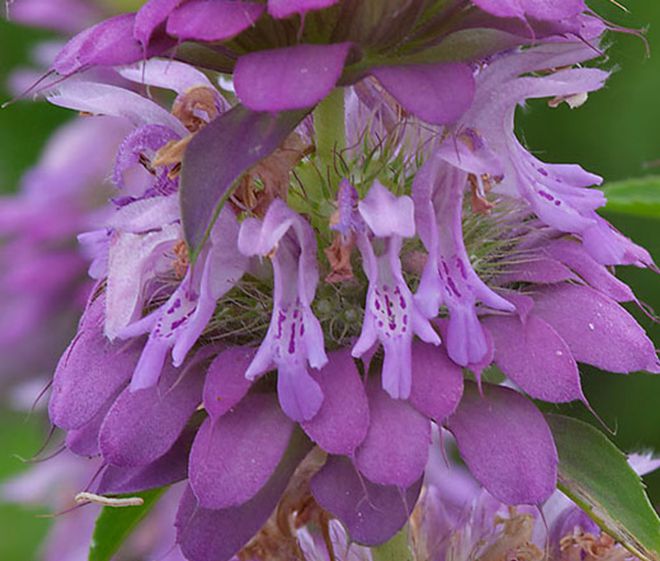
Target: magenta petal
x,y
90,372
233,457
396,448
205,534
437,382
212,20
506,443
574,255
284,8
536,358
537,270
225,382
372,513
168,469
289,78
149,17
436,93
597,330
341,424
143,425
108,43
548,10
84,441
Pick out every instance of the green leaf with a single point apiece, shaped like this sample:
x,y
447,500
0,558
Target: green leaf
x,y
640,196
218,156
396,549
115,524
597,477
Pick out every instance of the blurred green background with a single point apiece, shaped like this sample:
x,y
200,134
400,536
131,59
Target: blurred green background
x,y
616,134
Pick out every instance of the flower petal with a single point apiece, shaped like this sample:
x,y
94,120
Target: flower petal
x,y
225,382
90,371
341,424
212,20
372,513
549,10
597,330
233,457
536,358
437,382
143,425
574,255
386,214
396,448
166,470
289,78
436,93
506,443
205,534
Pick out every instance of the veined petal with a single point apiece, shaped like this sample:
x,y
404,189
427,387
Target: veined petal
x,y
342,422
372,513
506,443
536,358
289,78
234,456
396,448
226,384
597,330
205,534
143,425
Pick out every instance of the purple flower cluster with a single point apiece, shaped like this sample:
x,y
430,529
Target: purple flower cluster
x,y
455,259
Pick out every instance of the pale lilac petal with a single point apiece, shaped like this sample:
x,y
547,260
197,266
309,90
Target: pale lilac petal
x,y
396,448
386,214
105,99
341,424
300,395
281,9
226,383
90,371
294,339
448,277
145,214
234,456
437,382
372,513
169,74
644,463
536,358
571,253
597,330
436,93
213,20
289,78
131,265
506,443
143,425
205,534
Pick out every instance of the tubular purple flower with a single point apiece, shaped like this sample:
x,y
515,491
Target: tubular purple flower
x,y
448,276
294,337
391,315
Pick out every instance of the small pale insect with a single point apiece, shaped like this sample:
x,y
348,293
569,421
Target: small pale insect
x,y
86,498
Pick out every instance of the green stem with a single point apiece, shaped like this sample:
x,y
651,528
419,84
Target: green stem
x,y
397,549
330,133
